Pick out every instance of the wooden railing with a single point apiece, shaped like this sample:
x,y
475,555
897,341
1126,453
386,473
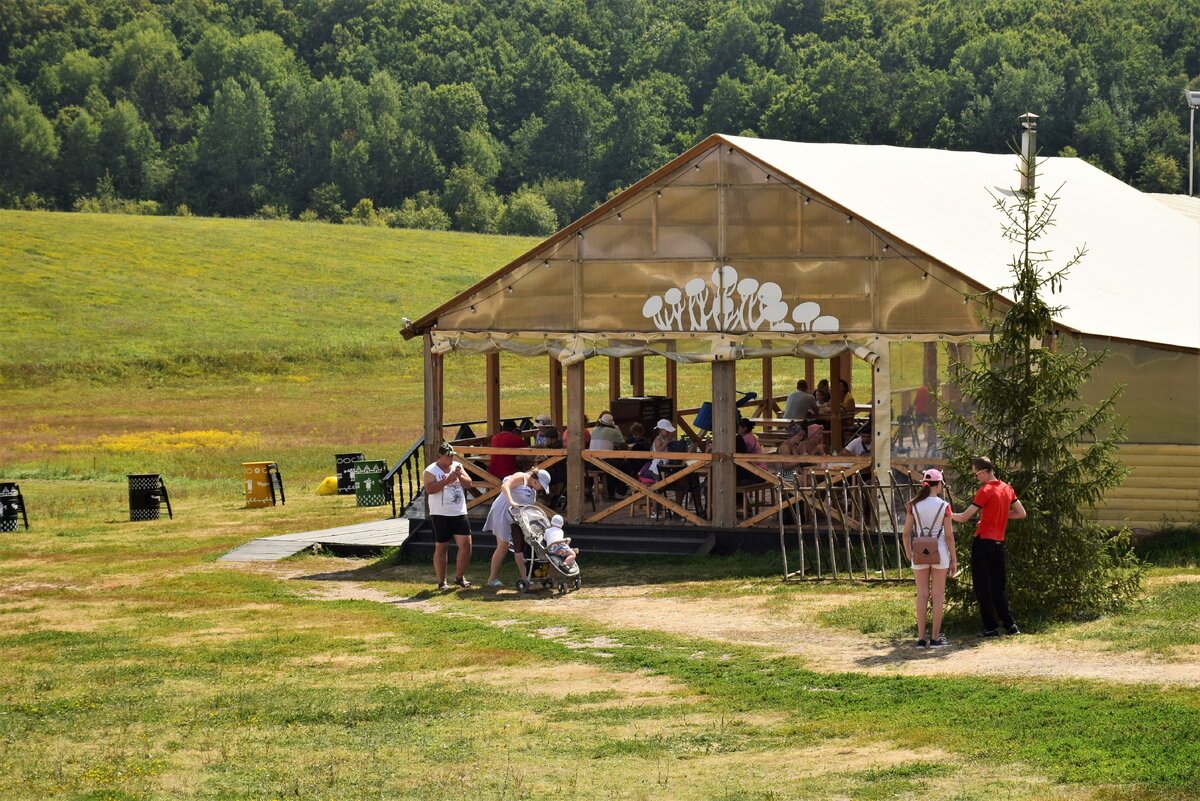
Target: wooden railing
x,y
487,486
599,464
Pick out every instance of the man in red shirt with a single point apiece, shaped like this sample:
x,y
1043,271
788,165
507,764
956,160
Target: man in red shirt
x,y
503,465
998,504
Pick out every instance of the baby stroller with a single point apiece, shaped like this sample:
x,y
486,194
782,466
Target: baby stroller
x,y
539,564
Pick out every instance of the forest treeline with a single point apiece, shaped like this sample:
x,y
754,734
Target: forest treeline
x,y
517,115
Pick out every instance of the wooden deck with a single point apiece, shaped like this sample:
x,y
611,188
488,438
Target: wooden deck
x,y
378,534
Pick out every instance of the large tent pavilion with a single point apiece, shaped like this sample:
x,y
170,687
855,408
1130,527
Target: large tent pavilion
x,y
743,250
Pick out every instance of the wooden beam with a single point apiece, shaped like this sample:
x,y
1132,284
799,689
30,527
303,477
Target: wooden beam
x,y
614,379
433,377
835,404
671,379
637,375
556,388
492,388
881,432
810,374
929,375
722,496
768,386
575,473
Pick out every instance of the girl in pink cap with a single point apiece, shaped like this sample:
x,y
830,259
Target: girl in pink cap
x,y
929,516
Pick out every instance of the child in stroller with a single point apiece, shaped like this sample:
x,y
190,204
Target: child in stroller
x,y
550,557
557,543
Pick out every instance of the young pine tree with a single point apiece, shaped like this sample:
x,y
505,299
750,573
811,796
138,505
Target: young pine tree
x,y
1023,411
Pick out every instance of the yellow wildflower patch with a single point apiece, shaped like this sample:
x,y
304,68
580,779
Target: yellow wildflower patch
x,y
167,441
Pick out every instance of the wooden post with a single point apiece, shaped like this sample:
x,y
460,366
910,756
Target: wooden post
x,y
881,433
556,386
835,405
933,384
722,496
768,386
810,374
637,375
929,375
614,379
574,439
433,400
492,388
671,370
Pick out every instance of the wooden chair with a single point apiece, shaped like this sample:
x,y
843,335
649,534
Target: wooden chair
x,y
755,496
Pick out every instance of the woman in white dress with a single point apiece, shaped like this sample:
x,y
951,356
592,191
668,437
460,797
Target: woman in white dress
x,y
517,490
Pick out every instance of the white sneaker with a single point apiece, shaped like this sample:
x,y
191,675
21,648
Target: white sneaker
x,y
495,583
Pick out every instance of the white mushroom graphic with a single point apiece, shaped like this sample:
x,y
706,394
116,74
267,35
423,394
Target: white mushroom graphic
x,y
725,302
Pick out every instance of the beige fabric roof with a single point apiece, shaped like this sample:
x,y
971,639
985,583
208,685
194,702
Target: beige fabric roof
x,y
1189,206
1140,279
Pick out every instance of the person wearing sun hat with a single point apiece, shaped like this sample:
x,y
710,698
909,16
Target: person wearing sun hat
x,y
607,436
544,426
927,515
517,490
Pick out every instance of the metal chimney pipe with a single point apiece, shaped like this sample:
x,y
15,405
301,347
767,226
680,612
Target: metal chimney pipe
x,y
1028,166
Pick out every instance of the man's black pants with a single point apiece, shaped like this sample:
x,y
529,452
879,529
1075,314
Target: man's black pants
x,y
987,574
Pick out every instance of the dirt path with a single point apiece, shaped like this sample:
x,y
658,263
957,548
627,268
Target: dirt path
x,y
751,621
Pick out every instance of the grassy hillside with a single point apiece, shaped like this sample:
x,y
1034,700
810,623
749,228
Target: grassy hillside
x,y
99,295
189,345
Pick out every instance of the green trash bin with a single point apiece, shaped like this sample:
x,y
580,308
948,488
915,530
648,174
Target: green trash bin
x,y
368,482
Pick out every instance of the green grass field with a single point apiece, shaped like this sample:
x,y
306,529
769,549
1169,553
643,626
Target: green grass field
x,y
136,667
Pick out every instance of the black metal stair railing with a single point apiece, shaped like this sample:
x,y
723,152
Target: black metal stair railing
x,y
403,481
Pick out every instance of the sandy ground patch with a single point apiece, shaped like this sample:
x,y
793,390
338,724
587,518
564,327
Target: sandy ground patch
x,y
752,621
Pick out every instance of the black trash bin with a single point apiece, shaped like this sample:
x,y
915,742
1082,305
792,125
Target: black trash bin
x,y
147,494
12,507
345,471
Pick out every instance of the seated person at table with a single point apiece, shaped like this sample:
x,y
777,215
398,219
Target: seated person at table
x,y
847,397
505,464
558,470
544,428
606,436
822,398
636,441
664,435
860,445
802,441
922,404
746,433
799,404
744,476
815,443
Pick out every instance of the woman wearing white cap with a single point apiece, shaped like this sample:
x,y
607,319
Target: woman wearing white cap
x,y
517,490
929,516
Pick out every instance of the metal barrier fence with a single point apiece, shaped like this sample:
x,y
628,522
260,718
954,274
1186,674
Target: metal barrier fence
x,y
844,525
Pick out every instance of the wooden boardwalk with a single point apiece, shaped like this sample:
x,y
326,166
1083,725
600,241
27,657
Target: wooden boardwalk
x,y
379,534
